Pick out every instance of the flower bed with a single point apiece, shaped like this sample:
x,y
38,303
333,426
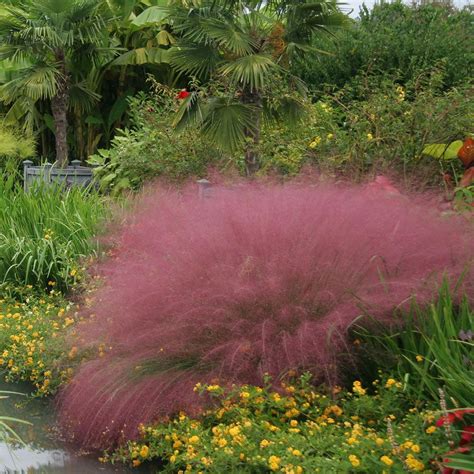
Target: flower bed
x,y
298,429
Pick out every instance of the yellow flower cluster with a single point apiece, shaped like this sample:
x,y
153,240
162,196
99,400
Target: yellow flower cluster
x,y
414,464
357,388
263,430
393,383
30,341
315,142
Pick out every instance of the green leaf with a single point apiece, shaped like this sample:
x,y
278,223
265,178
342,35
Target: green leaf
x,y
117,110
227,122
443,151
250,71
151,17
461,461
49,122
94,120
142,56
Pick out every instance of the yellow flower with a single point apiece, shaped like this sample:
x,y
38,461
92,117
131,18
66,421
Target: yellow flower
x,y
352,440
330,136
193,440
386,460
414,463
244,395
136,463
370,137
274,463
357,388
430,429
354,460
419,358
316,141
294,423
297,452
415,448
390,383
144,451
379,441
264,443
222,442
234,431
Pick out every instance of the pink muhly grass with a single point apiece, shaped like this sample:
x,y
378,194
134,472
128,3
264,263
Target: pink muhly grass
x,y
254,280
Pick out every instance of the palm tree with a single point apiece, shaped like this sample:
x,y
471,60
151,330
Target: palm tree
x,y
56,43
243,49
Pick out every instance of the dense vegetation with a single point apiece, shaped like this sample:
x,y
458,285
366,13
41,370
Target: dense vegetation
x,y
316,317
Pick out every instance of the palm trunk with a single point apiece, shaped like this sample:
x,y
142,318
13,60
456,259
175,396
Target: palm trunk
x,y
59,107
252,159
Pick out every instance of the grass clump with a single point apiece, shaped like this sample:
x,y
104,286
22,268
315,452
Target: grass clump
x,y
430,348
46,233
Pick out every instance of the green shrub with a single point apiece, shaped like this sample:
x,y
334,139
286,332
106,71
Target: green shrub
x,y
394,38
46,233
14,147
152,148
430,349
389,129
385,132
300,429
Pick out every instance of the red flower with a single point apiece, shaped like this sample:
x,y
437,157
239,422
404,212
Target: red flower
x,y
467,435
183,93
453,416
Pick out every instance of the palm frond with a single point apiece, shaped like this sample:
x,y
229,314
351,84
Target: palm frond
x,y
226,122
229,36
251,71
36,82
198,60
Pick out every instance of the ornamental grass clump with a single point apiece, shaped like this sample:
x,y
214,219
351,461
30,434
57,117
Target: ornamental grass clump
x,y
253,280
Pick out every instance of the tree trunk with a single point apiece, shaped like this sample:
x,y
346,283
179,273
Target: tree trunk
x,y
252,159
59,108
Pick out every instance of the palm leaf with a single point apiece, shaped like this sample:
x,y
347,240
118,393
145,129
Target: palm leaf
x,y
226,122
198,60
250,71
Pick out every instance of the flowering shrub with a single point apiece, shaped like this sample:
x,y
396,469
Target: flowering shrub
x,y
250,281
32,346
388,127
296,429
151,147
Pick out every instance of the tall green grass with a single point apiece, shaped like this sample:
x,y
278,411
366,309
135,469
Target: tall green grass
x,y
432,348
46,233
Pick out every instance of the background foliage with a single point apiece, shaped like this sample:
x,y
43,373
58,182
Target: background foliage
x,y
394,38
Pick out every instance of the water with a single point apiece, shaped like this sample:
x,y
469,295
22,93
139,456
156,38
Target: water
x,y
43,452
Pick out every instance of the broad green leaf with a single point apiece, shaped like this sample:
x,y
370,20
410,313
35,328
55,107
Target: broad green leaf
x,y
142,56
151,16
443,150
117,110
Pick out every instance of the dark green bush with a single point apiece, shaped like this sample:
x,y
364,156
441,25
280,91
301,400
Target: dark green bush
x,y
394,37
